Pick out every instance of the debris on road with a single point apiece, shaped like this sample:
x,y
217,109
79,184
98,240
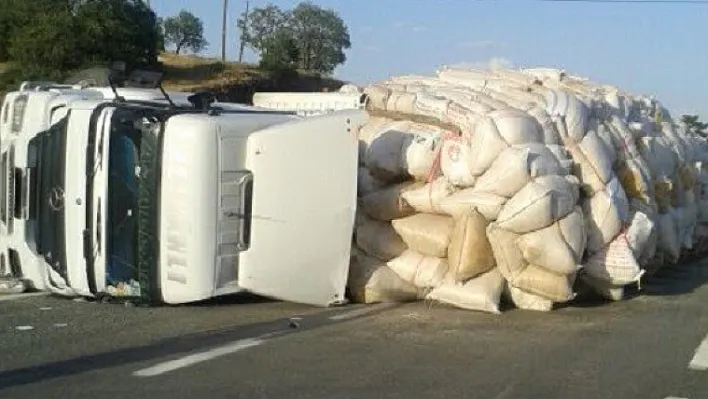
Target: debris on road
x,y
12,286
478,184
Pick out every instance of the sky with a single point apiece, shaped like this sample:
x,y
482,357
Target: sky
x,y
658,49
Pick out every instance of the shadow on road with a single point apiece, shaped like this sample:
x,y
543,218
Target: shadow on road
x,y
680,279
174,347
676,280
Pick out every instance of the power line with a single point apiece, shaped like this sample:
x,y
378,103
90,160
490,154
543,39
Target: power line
x,y
223,31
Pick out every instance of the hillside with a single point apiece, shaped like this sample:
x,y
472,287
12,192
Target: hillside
x,y
231,81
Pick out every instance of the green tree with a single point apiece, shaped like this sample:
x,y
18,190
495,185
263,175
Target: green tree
x,y
118,30
694,124
47,38
5,19
185,31
280,52
45,48
260,26
320,35
17,14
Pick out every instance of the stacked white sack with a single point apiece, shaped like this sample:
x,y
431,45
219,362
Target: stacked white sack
x,y
432,171
656,164
492,130
565,119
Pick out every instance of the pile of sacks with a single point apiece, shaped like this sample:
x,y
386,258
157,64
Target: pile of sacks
x,y
480,184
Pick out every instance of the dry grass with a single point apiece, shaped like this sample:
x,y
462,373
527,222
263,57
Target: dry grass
x,y
193,73
187,73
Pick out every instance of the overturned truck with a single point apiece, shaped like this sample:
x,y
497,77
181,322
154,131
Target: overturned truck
x,y
133,193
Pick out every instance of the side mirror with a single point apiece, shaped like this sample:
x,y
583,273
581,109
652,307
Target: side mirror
x,y
202,100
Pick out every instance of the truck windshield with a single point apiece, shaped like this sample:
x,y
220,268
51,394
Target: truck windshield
x,y
131,203
121,271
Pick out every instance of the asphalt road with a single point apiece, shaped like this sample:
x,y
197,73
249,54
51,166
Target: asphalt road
x,y
638,348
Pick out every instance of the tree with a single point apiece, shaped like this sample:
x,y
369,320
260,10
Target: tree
x,y
44,48
47,38
693,124
185,31
17,14
118,30
319,34
280,52
260,26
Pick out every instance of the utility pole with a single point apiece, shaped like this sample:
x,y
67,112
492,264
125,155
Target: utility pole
x,y
223,32
243,42
148,3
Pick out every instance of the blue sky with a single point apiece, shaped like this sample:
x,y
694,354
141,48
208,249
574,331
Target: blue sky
x,y
659,49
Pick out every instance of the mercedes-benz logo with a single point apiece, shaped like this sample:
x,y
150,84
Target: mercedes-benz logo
x,y
56,199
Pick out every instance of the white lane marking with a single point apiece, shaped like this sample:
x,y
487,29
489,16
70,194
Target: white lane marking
x,y
361,312
172,365
14,297
700,359
238,346
24,328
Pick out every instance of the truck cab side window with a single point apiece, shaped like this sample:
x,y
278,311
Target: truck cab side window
x,y
19,177
5,112
3,188
18,113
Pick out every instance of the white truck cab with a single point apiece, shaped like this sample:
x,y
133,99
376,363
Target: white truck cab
x,y
25,114
174,204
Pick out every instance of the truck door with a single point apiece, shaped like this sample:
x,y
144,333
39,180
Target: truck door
x,y
302,206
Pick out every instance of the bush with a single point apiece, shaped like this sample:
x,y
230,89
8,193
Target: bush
x,y
48,38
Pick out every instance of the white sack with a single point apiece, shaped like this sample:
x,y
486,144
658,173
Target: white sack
x,y
526,301
385,154
420,155
540,203
515,167
426,233
379,240
497,131
371,281
428,198
456,161
388,204
420,270
470,253
593,163
482,293
463,201
615,263
547,248
570,111
668,242
605,214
